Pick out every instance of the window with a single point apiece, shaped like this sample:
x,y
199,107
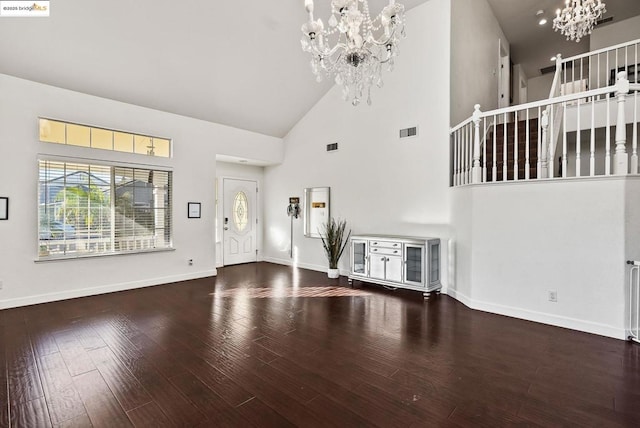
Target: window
x,y
55,131
91,209
240,211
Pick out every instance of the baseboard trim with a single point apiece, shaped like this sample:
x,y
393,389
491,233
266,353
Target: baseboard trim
x,y
103,289
540,317
317,268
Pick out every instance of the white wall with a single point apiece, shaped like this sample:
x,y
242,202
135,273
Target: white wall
x,y
379,183
196,144
632,229
474,58
519,89
538,88
237,170
522,240
615,33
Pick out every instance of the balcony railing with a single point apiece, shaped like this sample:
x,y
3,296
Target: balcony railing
x,y
599,68
590,126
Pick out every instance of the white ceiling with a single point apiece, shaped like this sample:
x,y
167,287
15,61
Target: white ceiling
x,y
235,63
238,63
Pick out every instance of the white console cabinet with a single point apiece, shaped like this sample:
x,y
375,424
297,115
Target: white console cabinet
x,y
396,261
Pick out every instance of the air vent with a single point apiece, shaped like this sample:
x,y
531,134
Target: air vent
x,y
332,147
604,20
409,132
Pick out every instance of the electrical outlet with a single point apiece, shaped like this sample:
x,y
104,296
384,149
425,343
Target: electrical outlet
x,y
190,262
553,296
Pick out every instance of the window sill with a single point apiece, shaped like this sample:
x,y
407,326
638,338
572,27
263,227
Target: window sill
x,y
57,258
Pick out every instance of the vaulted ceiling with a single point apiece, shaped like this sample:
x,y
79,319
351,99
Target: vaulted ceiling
x,y
234,63
237,63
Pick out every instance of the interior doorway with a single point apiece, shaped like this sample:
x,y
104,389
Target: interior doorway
x,y
504,76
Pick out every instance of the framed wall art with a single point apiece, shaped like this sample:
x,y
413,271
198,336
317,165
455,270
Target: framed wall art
x,y
4,208
193,209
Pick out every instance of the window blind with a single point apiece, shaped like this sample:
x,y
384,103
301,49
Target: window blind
x,y
92,209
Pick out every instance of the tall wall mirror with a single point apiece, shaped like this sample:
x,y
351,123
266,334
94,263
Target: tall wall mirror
x,y
316,210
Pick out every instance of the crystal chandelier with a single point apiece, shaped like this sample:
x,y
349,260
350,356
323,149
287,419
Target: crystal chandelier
x,y
578,18
354,46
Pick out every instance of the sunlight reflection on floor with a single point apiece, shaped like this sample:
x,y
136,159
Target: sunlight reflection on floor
x,y
262,293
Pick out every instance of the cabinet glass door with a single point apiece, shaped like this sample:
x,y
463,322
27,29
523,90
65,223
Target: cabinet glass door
x,y
359,257
434,263
414,264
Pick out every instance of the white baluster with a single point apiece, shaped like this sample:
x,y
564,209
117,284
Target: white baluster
x,y
539,164
621,158
460,154
454,142
467,154
559,71
494,169
592,155
526,149
544,172
552,141
515,146
607,155
464,153
504,148
460,142
459,149
484,151
634,155
590,68
578,139
564,140
477,171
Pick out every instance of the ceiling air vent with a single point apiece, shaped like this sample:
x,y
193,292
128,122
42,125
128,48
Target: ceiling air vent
x,y
606,20
332,147
409,132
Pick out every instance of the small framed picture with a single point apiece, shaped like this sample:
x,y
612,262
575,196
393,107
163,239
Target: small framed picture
x,y
193,209
4,208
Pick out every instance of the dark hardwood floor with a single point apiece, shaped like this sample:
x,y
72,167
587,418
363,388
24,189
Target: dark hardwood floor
x,y
268,345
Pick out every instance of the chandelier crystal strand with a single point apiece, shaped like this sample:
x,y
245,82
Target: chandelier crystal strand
x,y
578,18
354,46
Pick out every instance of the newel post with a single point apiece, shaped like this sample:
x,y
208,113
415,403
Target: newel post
x,y
476,170
621,158
544,161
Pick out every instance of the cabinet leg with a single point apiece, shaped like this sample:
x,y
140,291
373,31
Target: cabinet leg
x,y
350,281
426,295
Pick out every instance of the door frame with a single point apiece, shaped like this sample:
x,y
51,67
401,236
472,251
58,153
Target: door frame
x,y
504,75
219,223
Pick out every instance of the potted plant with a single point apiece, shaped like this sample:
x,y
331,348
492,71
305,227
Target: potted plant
x,y
334,243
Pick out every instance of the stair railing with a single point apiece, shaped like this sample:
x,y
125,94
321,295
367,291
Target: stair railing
x,y
582,114
598,69
591,70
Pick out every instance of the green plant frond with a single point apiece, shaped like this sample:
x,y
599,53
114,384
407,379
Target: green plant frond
x,y
334,241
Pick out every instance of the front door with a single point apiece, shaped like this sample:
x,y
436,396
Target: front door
x,y
239,221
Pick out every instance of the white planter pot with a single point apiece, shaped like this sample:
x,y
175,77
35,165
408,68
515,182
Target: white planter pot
x,y
333,273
